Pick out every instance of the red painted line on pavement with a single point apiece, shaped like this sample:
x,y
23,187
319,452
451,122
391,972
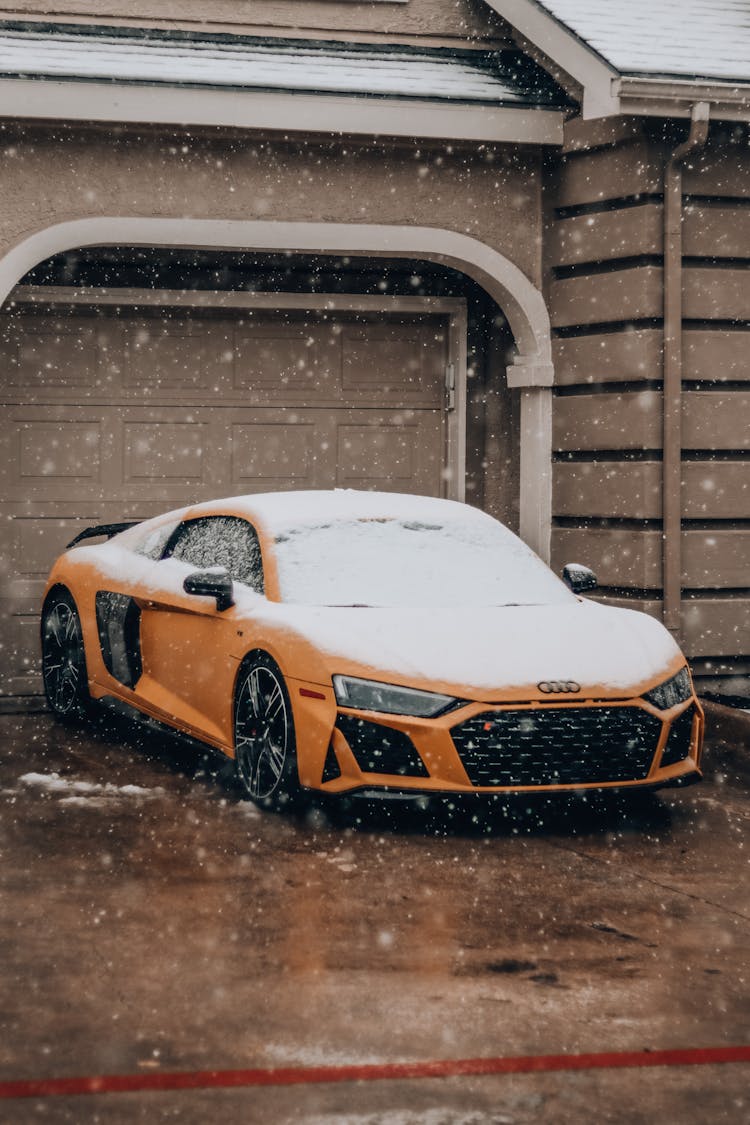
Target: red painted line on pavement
x,y
304,1075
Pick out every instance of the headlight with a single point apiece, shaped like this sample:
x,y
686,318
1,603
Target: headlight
x,y
671,692
369,695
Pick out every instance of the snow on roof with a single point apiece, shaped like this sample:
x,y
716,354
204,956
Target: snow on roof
x,y
682,38
496,77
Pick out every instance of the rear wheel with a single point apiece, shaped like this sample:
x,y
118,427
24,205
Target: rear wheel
x,y
64,658
264,742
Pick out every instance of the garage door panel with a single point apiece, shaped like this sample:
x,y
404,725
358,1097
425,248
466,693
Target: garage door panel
x,y
20,650
41,453
177,357
391,453
157,450
303,358
56,356
38,541
44,451
263,451
401,360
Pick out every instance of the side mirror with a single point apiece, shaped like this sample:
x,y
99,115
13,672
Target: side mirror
x,y
211,584
579,578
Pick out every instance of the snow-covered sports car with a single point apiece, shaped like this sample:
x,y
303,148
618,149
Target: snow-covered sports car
x,y
356,641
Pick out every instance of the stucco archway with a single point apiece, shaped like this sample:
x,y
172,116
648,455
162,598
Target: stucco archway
x,y
521,301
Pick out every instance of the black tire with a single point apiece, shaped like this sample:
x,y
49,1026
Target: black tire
x,y
64,659
264,742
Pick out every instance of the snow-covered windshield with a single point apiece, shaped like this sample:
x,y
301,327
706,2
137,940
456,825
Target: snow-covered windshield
x,y
397,562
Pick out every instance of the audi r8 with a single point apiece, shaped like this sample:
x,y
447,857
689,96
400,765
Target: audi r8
x,y
367,642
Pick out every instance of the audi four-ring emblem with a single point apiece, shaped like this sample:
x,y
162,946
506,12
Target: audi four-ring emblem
x,y
556,687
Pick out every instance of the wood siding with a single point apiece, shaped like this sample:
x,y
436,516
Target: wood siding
x,y
604,272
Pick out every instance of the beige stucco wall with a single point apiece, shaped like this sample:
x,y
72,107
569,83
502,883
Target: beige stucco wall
x,y
51,176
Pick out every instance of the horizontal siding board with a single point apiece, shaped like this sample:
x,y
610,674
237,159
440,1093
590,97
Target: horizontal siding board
x,y
611,357
716,232
710,626
608,421
716,490
629,294
713,354
716,560
642,605
625,233
724,174
627,490
716,420
713,560
716,626
636,294
632,489
609,173
617,558
716,294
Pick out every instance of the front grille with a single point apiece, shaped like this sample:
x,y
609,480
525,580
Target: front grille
x,y
678,741
557,746
381,749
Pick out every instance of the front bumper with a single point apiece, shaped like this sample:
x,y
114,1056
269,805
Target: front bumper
x,y
534,747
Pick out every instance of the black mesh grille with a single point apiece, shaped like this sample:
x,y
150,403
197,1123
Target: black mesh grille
x,y
556,746
678,742
380,749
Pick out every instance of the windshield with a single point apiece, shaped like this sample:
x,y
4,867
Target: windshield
x,y
395,562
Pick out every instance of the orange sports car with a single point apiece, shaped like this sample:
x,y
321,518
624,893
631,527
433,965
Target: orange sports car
x,y
355,641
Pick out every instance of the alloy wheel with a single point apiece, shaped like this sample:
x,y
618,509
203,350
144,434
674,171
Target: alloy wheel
x,y
63,660
264,741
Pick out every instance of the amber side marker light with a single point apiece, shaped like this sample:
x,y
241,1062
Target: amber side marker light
x,y
309,694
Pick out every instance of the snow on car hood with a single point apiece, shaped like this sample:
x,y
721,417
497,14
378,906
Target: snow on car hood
x,y
495,647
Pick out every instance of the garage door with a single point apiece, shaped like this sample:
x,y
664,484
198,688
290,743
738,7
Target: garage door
x,y
114,416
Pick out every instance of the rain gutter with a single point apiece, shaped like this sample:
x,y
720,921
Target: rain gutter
x,y
676,97
672,393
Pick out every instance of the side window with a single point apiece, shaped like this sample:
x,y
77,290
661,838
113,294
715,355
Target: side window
x,y
224,541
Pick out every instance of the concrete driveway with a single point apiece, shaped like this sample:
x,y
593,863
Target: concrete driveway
x,y
155,924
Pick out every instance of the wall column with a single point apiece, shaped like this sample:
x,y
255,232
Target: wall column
x,y
535,518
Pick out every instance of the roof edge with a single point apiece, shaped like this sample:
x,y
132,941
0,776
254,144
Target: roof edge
x,y
609,92
562,46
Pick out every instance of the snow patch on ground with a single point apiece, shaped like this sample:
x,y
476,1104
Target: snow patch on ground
x,y
75,792
295,1054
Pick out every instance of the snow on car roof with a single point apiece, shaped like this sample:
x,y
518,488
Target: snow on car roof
x,y
279,511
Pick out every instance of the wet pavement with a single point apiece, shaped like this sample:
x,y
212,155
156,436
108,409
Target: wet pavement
x,y
154,922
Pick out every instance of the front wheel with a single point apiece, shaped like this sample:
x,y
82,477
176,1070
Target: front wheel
x,y
264,743
64,659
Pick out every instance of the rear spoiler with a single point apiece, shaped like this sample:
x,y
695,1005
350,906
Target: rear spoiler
x,y
108,529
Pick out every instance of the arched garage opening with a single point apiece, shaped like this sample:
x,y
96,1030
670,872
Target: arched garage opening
x,y
174,375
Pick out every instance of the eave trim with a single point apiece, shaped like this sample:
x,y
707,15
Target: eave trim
x,y
266,111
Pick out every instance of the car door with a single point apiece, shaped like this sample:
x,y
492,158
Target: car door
x,y
186,642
